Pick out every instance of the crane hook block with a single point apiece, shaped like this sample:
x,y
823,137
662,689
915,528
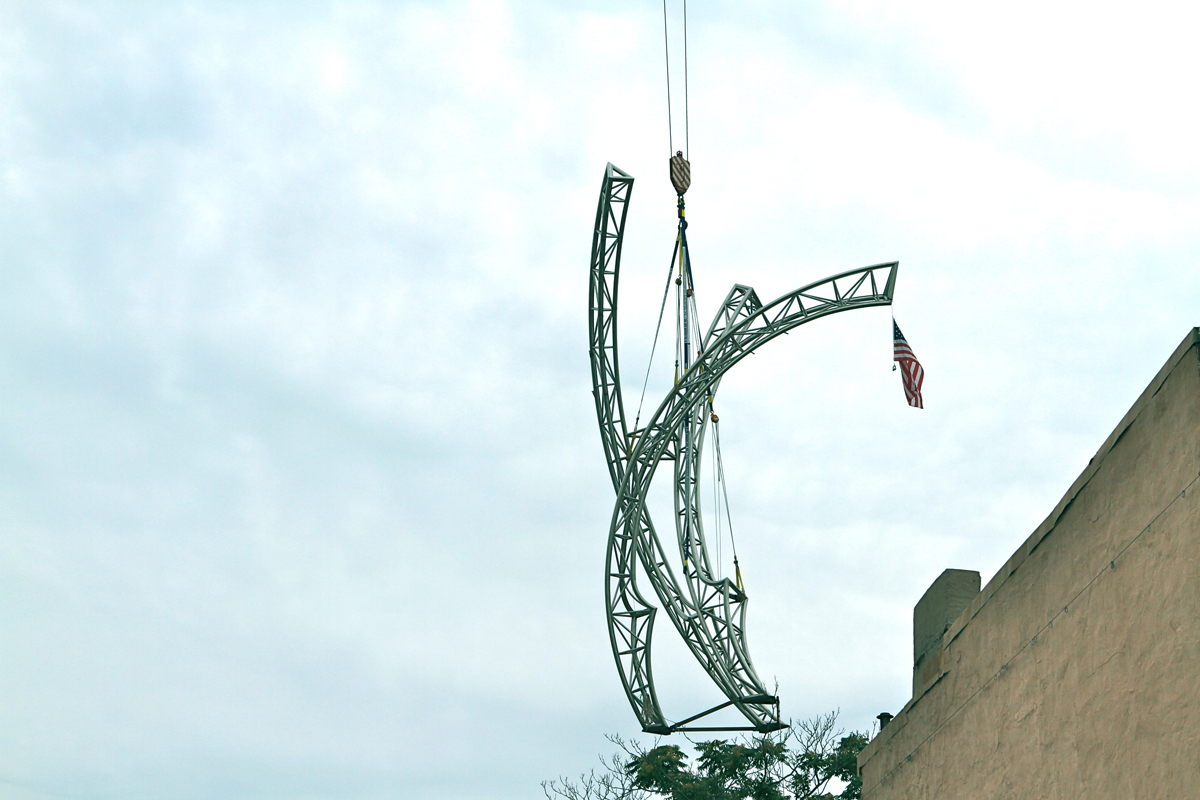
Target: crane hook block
x,y
681,173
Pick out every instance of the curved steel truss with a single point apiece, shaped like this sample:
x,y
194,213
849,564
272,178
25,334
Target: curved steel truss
x,y
709,612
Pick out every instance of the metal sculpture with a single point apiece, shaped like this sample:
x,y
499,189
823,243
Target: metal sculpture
x,y
710,613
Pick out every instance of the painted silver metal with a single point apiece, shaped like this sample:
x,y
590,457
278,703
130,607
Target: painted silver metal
x,y
708,612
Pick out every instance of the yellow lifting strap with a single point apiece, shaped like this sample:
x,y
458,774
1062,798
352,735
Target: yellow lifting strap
x,y
738,573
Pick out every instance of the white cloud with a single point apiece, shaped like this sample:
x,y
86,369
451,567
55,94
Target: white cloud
x,y
301,484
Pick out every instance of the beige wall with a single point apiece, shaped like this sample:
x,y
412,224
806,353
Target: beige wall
x,y
1075,673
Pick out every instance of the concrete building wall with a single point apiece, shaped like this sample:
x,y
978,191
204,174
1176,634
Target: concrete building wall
x,y
1075,673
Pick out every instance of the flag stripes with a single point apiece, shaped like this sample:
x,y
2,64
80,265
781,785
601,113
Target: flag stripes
x,y
912,373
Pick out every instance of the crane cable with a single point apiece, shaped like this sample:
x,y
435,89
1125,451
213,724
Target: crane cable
x,y
687,296
653,347
725,494
667,56
680,248
667,52
687,148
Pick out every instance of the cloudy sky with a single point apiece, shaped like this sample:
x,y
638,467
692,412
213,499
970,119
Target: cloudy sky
x,y
301,492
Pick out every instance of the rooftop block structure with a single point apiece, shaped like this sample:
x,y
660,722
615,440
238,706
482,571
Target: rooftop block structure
x,y
1076,671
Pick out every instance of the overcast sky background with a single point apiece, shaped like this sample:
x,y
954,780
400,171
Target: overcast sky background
x,y
301,492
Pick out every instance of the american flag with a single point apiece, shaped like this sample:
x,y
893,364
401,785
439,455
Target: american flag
x,y
911,371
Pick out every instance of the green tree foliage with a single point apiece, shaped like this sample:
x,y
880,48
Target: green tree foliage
x,y
799,763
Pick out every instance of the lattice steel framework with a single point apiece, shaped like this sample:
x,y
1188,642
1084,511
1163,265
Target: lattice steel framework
x,y
710,612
